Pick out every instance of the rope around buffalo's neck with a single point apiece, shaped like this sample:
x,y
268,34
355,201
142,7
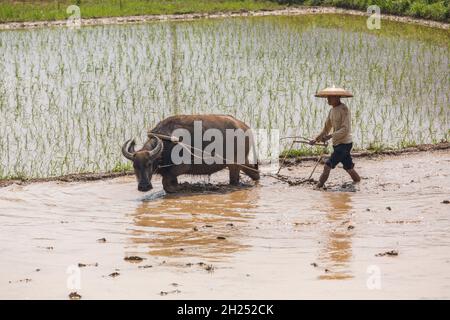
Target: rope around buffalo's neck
x,y
189,147
275,176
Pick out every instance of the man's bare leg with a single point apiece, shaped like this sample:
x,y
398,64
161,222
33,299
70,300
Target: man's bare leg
x,y
355,176
324,176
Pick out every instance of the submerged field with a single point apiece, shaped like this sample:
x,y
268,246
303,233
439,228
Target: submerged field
x,y
70,98
269,241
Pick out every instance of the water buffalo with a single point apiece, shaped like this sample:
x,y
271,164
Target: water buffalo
x,y
156,155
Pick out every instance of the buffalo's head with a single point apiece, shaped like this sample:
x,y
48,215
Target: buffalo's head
x,y
144,160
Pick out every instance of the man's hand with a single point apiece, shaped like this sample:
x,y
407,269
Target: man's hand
x,y
312,142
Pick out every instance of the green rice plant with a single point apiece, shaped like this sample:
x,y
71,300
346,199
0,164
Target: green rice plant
x,y
67,105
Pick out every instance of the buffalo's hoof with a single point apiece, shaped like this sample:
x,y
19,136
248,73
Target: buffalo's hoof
x,y
171,189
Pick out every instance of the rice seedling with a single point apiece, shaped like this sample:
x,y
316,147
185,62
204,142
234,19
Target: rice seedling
x,y
70,98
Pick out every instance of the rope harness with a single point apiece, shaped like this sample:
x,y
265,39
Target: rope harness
x,y
303,140
278,176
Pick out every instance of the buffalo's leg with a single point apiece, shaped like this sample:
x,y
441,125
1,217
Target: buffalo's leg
x,y
234,174
170,184
251,170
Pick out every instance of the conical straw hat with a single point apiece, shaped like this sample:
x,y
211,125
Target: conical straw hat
x,y
333,91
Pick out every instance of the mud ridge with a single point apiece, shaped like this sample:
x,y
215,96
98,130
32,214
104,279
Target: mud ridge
x,y
82,177
293,11
374,154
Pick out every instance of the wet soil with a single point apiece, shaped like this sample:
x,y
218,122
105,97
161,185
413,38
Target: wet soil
x,y
205,186
266,240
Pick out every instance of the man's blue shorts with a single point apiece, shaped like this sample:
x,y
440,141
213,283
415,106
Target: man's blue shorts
x,y
341,153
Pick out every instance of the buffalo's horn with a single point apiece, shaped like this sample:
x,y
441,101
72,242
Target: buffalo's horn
x,y
128,152
156,151
131,147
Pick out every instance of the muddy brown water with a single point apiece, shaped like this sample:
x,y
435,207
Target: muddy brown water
x,y
266,241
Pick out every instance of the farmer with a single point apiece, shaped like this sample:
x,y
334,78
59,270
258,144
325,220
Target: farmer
x,y
339,120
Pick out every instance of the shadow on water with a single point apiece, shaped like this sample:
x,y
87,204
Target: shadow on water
x,y
336,253
203,225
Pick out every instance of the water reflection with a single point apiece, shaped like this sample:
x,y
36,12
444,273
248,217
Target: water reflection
x,y
189,225
336,254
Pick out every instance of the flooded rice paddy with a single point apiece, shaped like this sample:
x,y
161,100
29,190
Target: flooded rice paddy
x,y
387,237
70,98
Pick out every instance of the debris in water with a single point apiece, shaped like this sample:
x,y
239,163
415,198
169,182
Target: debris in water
x,y
146,266
301,181
133,259
74,296
230,225
315,265
174,284
165,293
350,227
391,253
207,226
195,229
26,280
209,268
82,265
37,270
221,238
403,221
306,223
114,274
348,186
48,248
389,208
101,240
367,209
445,201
